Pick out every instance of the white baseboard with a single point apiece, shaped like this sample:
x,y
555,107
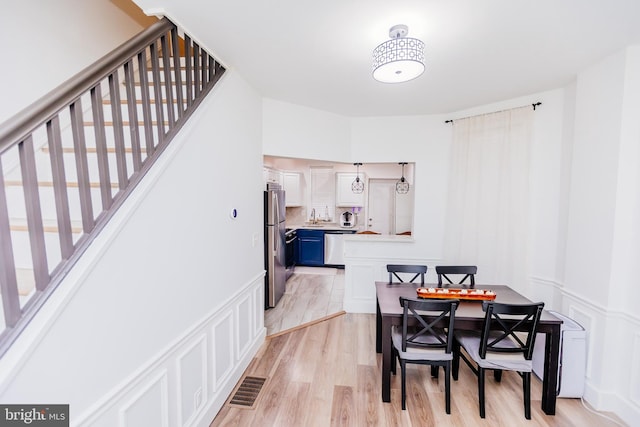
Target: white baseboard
x,y
360,307
611,402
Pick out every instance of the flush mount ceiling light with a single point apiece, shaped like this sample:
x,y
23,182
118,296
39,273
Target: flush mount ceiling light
x,y
357,186
402,186
400,59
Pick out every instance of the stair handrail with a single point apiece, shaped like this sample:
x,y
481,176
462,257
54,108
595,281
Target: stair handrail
x,y
174,102
18,126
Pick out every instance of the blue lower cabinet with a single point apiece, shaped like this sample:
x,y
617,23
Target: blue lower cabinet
x,y
310,247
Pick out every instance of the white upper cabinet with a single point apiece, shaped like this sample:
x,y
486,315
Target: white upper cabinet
x,y
345,197
272,175
292,184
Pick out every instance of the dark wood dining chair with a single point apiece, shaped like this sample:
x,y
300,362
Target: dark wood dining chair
x,y
400,271
505,343
467,271
426,343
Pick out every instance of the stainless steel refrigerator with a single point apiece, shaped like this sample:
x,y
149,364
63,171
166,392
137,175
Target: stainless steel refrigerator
x,y
274,241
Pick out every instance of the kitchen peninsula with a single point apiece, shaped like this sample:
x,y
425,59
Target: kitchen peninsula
x,y
366,257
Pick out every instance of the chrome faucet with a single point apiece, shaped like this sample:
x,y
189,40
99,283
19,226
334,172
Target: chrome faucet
x,y
313,215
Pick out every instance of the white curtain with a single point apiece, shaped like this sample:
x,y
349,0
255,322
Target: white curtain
x,y
487,212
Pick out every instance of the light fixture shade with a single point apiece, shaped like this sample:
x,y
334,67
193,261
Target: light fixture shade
x,y
400,59
402,186
357,186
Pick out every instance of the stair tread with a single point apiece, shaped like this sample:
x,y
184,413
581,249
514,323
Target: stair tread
x,y
124,123
50,225
71,150
26,281
73,184
107,101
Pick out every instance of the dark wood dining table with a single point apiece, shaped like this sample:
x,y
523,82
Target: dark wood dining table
x,y
469,316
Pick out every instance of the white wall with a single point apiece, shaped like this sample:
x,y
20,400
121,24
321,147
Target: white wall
x,y
603,241
71,34
594,176
159,280
626,238
422,140
425,140
295,131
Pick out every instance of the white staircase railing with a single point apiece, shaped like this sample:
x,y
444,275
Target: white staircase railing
x,y
68,161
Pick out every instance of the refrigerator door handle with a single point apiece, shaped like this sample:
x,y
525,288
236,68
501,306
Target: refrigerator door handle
x,y
276,206
277,221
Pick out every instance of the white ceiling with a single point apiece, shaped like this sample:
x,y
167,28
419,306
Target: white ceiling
x,y
318,53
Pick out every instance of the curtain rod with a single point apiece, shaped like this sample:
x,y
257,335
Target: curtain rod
x,y
534,105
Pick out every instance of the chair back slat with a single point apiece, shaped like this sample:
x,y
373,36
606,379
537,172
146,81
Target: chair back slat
x,y
468,272
510,328
433,320
398,270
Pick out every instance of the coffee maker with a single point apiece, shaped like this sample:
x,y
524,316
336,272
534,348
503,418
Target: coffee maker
x,y
347,219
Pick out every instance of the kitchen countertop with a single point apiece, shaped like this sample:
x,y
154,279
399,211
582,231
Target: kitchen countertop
x,y
393,238
321,225
330,226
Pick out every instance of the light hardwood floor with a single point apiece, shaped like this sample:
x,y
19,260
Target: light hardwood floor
x,y
328,374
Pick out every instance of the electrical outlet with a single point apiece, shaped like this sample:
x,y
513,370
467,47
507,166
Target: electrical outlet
x,y
197,399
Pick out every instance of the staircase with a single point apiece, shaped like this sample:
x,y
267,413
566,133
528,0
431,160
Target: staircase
x,y
69,161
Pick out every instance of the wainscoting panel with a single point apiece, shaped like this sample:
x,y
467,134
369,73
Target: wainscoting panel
x,y
542,289
222,344
192,379
612,377
613,351
258,307
244,322
361,274
587,321
364,278
359,290
149,406
187,383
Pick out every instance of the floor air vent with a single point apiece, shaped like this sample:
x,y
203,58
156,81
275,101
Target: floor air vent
x,y
247,392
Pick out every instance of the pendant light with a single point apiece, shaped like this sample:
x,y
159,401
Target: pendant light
x,y
357,186
402,186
